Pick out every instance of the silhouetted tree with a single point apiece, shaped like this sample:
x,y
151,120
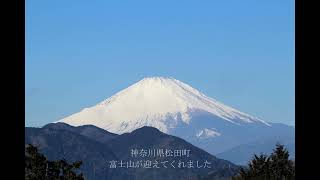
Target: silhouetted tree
x,y
275,167
37,167
281,166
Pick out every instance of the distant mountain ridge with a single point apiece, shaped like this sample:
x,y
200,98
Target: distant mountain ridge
x,y
61,140
243,153
89,131
64,143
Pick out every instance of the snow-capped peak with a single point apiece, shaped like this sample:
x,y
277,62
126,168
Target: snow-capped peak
x,y
160,102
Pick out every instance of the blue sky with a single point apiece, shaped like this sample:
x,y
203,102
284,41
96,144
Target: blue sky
x,y
78,53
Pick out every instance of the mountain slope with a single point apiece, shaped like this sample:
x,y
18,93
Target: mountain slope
x,y
59,141
66,144
151,138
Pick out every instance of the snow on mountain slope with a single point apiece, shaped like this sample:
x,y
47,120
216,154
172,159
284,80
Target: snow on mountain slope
x,y
159,102
207,133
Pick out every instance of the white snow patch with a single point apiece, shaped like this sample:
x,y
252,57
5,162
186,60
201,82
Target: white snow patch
x,y
207,133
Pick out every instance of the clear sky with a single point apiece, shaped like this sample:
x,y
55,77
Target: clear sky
x,y
81,52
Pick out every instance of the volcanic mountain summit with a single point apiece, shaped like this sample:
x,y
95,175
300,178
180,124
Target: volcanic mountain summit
x,y
158,102
178,109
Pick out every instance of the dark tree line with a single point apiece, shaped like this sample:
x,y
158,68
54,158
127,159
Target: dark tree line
x,y
277,166
37,167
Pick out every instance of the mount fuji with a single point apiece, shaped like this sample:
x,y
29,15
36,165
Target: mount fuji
x,y
178,109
